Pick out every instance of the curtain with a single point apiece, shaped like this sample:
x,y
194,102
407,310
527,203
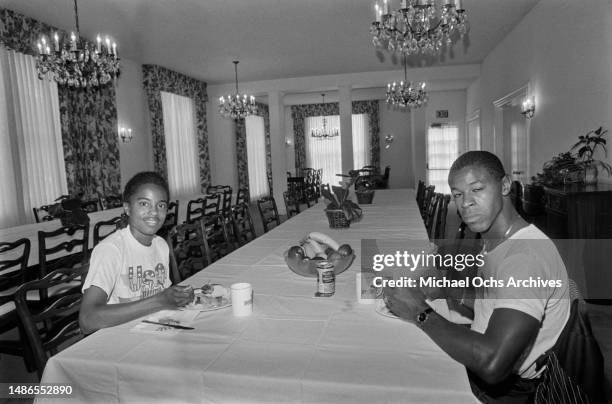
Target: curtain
x,y
324,153
31,155
256,156
157,79
181,144
442,150
361,140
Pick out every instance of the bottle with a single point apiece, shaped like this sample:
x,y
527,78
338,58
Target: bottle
x,y
326,279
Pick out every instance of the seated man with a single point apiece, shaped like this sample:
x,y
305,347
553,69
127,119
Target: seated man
x,y
512,326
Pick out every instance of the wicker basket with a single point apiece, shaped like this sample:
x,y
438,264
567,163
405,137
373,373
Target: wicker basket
x,y
365,198
337,219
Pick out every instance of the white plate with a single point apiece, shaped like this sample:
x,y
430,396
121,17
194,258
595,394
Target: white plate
x,y
208,303
383,310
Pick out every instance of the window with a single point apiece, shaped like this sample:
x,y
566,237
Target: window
x,y
31,156
324,153
442,150
361,140
256,157
181,145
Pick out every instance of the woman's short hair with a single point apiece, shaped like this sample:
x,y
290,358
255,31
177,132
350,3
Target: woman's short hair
x,y
479,158
142,178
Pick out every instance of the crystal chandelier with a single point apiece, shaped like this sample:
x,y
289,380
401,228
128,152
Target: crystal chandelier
x,y
418,26
324,133
237,106
405,95
76,62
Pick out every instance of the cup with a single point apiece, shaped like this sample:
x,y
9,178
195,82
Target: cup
x,y
366,292
242,299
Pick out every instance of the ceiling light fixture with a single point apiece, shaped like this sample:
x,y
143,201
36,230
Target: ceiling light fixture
x,y
405,95
324,133
237,106
418,26
76,62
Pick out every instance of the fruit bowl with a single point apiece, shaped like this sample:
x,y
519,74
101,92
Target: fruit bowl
x,y
308,266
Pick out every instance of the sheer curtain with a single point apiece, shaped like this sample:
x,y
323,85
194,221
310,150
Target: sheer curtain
x,y
324,153
181,145
31,156
361,140
442,150
256,157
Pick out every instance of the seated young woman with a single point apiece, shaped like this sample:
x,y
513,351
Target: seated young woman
x,y
129,270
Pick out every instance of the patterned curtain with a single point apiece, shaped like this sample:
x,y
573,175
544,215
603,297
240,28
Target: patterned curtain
x,y
370,108
298,113
241,151
88,117
157,79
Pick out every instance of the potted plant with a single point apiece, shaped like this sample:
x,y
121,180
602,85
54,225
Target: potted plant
x,y
586,145
340,210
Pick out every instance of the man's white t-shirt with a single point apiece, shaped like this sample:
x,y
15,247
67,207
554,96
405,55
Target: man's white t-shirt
x,y
128,270
527,256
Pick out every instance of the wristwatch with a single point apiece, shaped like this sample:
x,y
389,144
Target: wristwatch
x,y
422,316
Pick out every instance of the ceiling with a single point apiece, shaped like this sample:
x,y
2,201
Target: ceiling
x,y
272,38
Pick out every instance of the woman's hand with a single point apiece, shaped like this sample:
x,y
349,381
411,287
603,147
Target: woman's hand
x,y
178,296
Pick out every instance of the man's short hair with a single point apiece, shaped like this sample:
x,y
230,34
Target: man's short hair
x,y
479,158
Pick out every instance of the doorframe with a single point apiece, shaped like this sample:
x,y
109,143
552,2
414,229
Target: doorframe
x,y
513,98
474,116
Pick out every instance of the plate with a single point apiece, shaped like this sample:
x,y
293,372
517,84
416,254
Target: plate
x,y
383,310
208,303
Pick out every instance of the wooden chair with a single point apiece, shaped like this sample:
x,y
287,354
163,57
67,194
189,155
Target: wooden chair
x,y
242,222
382,182
430,214
439,231
171,219
427,199
43,214
54,324
217,241
292,205
92,205
420,194
268,212
13,273
209,204
112,201
226,197
187,251
105,228
242,196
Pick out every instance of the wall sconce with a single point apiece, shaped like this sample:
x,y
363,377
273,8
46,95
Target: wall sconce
x,y
388,140
125,134
528,107
288,142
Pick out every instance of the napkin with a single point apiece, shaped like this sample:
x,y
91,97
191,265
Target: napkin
x,y
178,317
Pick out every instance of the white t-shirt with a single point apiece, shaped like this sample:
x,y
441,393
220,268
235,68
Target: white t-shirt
x,y
527,256
128,270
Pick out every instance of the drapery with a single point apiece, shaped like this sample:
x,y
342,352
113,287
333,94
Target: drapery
x,y
241,148
442,150
88,117
256,155
31,155
361,140
157,79
324,153
181,144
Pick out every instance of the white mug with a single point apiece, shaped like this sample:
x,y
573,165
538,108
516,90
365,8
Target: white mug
x,y
242,299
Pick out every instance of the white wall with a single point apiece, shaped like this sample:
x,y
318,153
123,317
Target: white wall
x,y
132,112
563,49
399,156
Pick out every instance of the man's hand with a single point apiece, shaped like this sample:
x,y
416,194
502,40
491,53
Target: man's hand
x,y
178,296
405,303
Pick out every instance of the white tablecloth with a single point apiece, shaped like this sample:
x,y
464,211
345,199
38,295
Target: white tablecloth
x,y
294,348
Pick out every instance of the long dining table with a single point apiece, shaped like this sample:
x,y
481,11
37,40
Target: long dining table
x,y
294,347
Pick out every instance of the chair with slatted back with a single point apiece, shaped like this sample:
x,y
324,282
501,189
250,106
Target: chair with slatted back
x,y
171,219
439,231
226,197
43,214
13,273
216,236
420,194
112,201
242,222
292,204
242,196
430,214
92,205
187,252
105,228
209,204
268,212
54,324
427,198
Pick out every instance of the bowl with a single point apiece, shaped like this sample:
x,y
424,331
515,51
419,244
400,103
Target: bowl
x,y
308,267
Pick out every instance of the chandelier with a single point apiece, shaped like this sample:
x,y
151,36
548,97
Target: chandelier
x,y
76,62
418,26
324,133
237,106
405,95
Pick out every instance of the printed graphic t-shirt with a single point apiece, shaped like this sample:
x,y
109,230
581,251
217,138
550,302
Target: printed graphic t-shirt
x,y
127,270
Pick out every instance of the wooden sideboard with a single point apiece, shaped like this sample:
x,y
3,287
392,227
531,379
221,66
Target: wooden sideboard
x,y
579,219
